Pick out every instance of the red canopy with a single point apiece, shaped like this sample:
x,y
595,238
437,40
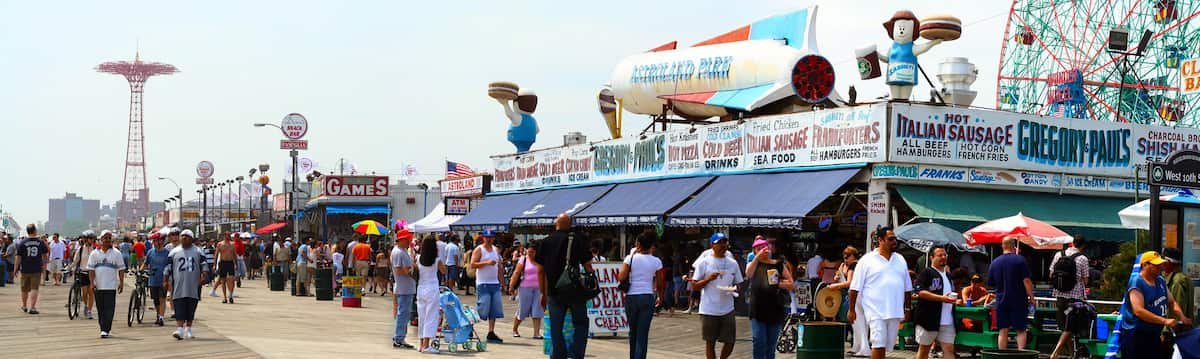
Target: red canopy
x,y
271,227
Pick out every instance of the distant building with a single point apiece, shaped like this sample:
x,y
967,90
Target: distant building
x,y
411,202
72,214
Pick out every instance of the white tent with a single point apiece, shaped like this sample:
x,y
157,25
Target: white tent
x,y
436,221
1137,216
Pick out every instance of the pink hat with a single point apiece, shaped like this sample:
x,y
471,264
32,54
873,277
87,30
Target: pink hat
x,y
759,242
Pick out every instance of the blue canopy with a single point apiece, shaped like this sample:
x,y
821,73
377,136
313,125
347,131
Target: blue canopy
x,y
495,212
777,200
640,202
344,209
567,200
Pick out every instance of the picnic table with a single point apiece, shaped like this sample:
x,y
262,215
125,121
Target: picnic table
x,y
982,334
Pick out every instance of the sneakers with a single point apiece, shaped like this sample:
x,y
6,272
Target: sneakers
x,y
24,310
103,334
213,294
87,314
189,334
33,311
493,338
159,321
401,344
431,350
178,334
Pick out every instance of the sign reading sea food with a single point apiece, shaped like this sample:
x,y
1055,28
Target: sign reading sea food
x,y
852,135
992,139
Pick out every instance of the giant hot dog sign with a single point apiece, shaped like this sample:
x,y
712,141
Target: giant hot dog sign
x,y
833,137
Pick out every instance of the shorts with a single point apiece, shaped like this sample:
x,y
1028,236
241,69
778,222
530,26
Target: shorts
x,y
529,303
226,269
185,308
157,293
695,295
56,265
30,282
718,328
382,272
1012,319
490,304
302,274
452,272
944,334
884,332
83,279
362,268
1062,304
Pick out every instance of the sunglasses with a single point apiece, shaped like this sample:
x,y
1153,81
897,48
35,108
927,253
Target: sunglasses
x,y
892,238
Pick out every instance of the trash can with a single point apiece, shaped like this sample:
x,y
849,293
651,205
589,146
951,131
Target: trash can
x,y
1009,354
324,283
275,277
352,291
292,278
820,340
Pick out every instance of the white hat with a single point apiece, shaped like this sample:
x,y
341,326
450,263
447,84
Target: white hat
x,y
245,235
105,233
89,233
187,232
165,231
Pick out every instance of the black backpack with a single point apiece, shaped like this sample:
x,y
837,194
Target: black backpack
x,y
1063,275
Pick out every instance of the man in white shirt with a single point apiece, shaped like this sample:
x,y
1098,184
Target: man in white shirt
x,y
107,267
881,282
57,249
812,268
717,276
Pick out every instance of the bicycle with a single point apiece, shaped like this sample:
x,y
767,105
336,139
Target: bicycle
x,y
137,298
75,295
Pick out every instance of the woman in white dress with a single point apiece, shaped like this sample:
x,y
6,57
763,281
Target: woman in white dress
x,y
427,293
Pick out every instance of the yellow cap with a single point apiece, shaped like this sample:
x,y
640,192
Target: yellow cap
x,y
1152,257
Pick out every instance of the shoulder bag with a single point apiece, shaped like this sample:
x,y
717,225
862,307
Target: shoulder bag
x,y
623,286
576,285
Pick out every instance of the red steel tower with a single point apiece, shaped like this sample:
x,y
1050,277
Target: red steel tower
x,y
135,195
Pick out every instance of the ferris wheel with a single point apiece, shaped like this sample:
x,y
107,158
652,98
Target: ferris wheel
x,y
1055,59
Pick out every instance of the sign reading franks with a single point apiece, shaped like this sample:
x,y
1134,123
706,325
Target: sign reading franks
x,y
1182,169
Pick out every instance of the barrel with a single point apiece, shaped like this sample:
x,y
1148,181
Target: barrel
x,y
352,291
820,340
324,284
1009,354
275,277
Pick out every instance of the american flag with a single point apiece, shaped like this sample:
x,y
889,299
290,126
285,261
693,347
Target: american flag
x,y
455,169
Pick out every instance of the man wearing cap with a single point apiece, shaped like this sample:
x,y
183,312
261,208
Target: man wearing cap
x,y
405,288
1180,287
767,275
79,260
156,261
184,275
281,255
1144,310
714,276
882,283
486,260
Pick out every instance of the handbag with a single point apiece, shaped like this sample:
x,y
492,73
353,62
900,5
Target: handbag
x,y
623,286
576,285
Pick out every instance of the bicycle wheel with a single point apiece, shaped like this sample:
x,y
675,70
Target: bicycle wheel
x,y
141,304
73,298
129,314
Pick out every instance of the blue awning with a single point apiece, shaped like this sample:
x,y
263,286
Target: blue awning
x,y
495,212
343,209
778,200
567,200
640,202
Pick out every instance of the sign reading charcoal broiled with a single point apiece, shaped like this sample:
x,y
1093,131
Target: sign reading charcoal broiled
x,y
1182,169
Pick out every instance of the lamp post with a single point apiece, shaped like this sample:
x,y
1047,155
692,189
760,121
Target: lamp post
x,y
178,196
291,193
424,201
250,176
228,202
241,220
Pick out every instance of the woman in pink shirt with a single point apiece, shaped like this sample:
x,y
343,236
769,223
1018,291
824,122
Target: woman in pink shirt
x,y
529,295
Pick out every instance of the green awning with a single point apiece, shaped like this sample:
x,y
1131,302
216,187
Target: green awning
x,y
1094,217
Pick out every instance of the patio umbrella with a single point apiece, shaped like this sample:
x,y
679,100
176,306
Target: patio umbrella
x,y
1137,216
369,227
271,227
924,235
1041,235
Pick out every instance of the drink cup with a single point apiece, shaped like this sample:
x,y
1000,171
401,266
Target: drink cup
x,y
868,62
970,302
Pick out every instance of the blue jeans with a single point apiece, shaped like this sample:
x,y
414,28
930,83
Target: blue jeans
x,y
579,316
765,336
639,310
489,302
403,316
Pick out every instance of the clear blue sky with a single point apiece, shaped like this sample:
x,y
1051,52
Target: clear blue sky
x,y
383,83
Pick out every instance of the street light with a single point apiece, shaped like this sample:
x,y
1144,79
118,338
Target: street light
x,y
179,196
291,194
239,200
425,201
250,176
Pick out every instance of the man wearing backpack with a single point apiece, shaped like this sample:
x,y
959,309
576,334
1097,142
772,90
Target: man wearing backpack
x,y
1068,278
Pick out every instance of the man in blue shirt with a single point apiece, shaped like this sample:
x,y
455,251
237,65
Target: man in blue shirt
x,y
453,256
1009,274
156,262
1144,311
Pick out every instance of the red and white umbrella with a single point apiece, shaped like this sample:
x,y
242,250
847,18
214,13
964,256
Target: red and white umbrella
x,y
1042,235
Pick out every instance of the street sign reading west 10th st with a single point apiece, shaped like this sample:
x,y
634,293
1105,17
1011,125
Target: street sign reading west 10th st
x,y
1182,169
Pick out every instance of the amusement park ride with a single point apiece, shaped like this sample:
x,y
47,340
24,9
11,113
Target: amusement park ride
x,y
1107,60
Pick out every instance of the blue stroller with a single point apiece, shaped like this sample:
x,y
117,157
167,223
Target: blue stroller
x,y
1187,344
458,326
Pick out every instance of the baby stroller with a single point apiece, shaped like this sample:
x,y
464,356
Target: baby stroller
x,y
1187,343
459,324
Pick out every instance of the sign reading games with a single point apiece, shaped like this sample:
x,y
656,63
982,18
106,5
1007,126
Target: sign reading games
x,y
995,139
842,136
